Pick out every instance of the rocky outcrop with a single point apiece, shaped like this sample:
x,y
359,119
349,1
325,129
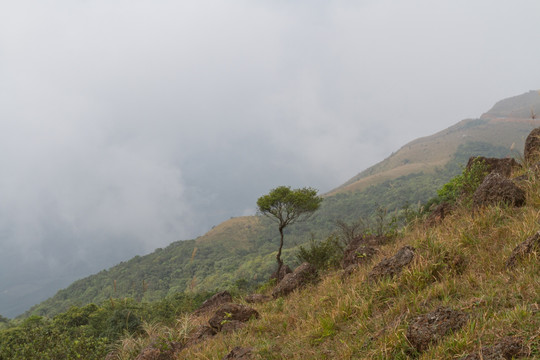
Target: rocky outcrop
x,y
158,350
392,266
504,166
232,326
301,276
231,312
531,152
361,249
429,328
216,300
257,298
507,348
239,353
285,269
528,246
439,213
496,189
201,333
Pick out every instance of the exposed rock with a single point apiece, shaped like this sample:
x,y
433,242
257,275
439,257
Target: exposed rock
x,y
357,255
503,166
232,326
439,213
531,151
528,246
301,276
160,351
285,269
361,249
507,348
348,271
200,334
393,265
239,353
497,189
257,298
429,328
229,312
216,300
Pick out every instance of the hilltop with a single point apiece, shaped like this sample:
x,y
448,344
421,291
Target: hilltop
x,y
463,285
506,124
460,285
240,252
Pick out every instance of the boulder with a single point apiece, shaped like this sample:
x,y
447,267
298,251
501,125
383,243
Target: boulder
x,y
506,348
528,246
257,298
158,350
301,276
439,213
503,166
216,300
285,269
357,255
232,326
361,249
497,189
230,312
531,152
239,353
201,333
429,328
392,266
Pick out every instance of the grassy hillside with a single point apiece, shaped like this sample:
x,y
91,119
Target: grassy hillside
x,y
240,253
430,153
459,264
507,124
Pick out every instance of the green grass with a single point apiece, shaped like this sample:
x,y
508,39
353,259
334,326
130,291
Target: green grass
x,y
459,263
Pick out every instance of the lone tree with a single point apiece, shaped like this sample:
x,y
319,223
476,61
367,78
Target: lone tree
x,y
287,206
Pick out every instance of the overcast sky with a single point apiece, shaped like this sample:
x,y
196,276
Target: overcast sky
x,y
126,125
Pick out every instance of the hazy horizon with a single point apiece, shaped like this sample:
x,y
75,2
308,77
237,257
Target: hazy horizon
x,y
125,126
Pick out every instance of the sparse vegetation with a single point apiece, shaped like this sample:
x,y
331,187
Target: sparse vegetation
x,y
323,255
458,264
288,206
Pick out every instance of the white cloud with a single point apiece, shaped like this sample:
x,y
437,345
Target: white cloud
x,y
136,123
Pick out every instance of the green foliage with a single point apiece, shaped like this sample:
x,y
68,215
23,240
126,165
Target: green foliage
x,y
217,265
88,332
462,187
322,255
287,206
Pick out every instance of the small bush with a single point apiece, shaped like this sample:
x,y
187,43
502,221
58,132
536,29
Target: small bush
x,y
322,255
463,186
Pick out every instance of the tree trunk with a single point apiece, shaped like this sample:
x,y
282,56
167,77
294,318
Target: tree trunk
x,y
278,257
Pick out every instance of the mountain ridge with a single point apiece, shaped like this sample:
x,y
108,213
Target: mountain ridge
x,y
243,248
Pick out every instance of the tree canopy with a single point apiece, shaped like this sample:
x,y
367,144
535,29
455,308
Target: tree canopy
x,y
287,206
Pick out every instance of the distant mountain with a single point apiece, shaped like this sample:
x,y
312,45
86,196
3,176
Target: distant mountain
x,y
525,106
507,124
241,251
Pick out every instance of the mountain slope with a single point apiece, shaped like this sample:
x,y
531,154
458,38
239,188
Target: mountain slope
x,y
506,124
459,268
241,251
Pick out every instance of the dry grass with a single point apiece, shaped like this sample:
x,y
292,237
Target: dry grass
x,y
241,229
459,263
428,153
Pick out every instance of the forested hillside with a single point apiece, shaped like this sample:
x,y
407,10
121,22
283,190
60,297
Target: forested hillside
x,y
458,285
241,252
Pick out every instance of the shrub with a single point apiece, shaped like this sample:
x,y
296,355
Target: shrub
x,y
463,186
322,255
